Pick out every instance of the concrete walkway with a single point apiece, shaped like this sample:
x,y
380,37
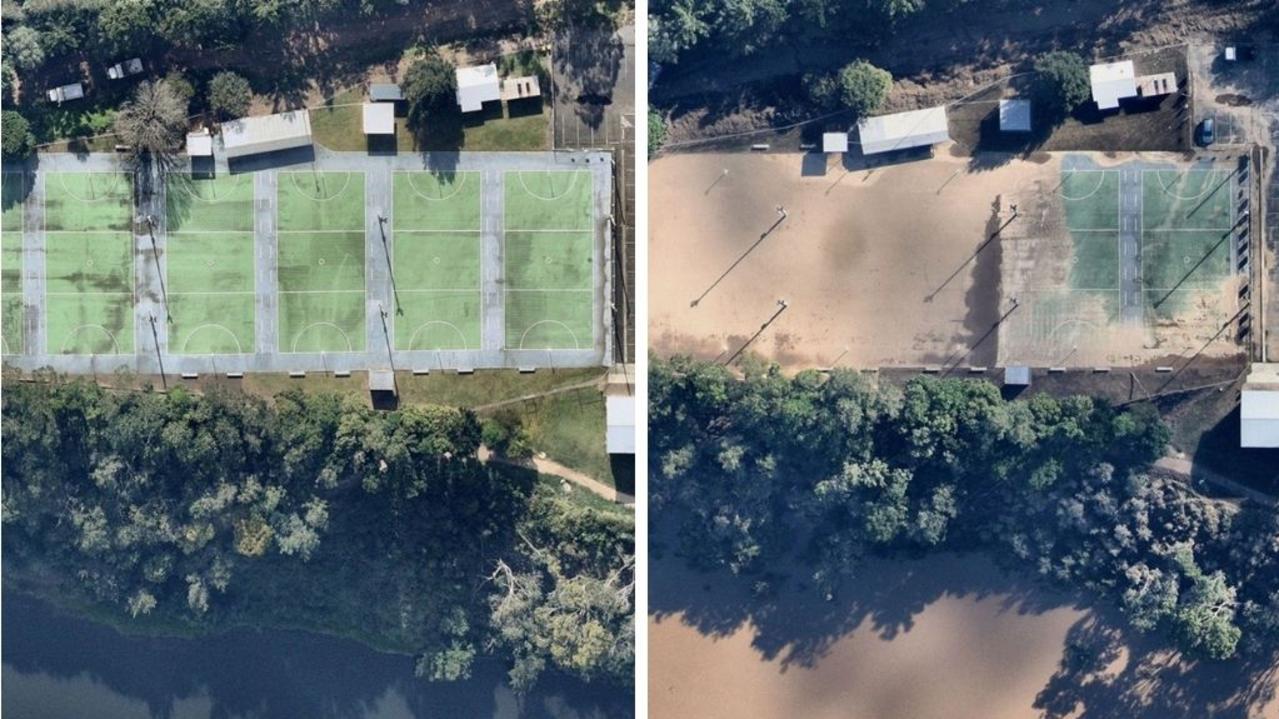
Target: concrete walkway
x,y
555,469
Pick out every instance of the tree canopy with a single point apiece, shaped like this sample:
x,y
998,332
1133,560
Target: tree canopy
x,y
229,95
430,88
154,122
1060,485
18,140
205,511
1061,82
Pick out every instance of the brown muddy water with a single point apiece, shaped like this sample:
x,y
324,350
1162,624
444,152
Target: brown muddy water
x,y
945,637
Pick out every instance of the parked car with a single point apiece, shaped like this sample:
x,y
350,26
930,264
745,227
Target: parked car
x,y
1207,132
74,91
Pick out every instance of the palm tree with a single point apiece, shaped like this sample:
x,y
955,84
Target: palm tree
x,y
154,123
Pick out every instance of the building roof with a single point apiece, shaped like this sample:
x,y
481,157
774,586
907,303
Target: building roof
x,y
902,130
620,411
1014,115
266,133
385,92
1017,376
476,86
1165,83
518,88
73,91
1112,82
379,118
200,144
835,142
381,380
1259,409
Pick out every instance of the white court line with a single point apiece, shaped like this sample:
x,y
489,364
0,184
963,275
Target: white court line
x,y
466,175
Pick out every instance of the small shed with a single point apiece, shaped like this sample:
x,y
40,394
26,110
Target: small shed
x,y
379,118
1259,408
382,380
200,144
1112,82
476,86
1017,376
385,92
266,133
619,410
1014,116
518,88
902,130
835,142
1165,83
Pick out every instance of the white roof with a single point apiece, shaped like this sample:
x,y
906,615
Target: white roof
x,y
1014,115
200,144
1259,418
620,410
476,86
899,131
266,133
379,118
835,142
1111,82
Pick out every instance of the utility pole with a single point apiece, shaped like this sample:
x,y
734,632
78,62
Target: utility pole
x,y
781,307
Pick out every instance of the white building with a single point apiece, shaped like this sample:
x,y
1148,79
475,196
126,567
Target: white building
x,y
476,86
1259,412
835,142
619,410
266,133
1014,116
200,144
902,130
379,118
1112,82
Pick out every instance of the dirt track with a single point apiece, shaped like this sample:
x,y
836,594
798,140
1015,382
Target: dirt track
x,y
935,57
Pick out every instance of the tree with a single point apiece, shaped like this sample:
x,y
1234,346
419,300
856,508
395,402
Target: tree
x,y
127,26
1061,82
23,45
229,95
656,132
863,88
154,122
430,88
18,140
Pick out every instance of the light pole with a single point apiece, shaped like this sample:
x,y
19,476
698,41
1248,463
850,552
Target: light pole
x,y
781,307
155,253
155,336
390,271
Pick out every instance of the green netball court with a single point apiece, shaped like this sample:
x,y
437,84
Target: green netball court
x,y
320,225
437,256
210,264
89,275
549,254
1187,224
11,222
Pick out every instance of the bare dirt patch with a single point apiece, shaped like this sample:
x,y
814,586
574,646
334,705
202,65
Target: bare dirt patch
x,y
889,265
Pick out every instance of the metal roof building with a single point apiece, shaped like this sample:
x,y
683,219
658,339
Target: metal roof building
x,y
1112,82
379,118
902,130
385,92
476,86
1014,115
1259,411
266,133
619,410
200,144
835,142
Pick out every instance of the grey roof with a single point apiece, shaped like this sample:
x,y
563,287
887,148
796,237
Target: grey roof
x,y
385,92
1017,376
1014,115
381,380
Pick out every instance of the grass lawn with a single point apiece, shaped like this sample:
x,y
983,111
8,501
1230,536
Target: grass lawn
x,y
570,429
340,127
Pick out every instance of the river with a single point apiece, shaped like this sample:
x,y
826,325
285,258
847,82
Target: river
x,y
60,666
943,637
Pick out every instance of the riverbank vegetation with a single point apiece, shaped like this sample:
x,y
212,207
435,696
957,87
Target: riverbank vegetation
x,y
839,468
180,512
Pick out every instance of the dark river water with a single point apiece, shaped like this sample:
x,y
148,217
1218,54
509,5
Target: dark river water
x,y
60,666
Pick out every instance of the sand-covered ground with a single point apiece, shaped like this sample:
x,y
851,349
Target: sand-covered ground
x,y
877,265
947,637
899,265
